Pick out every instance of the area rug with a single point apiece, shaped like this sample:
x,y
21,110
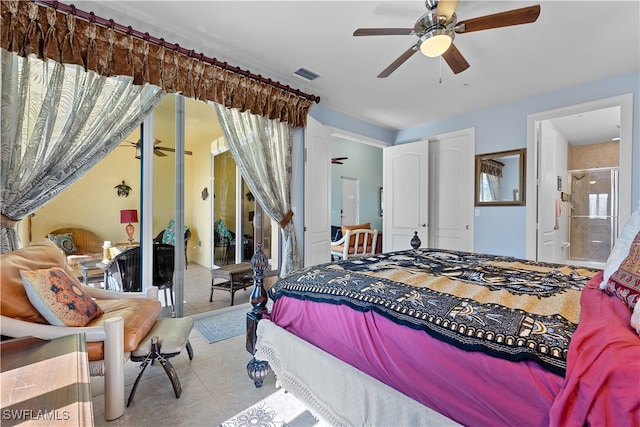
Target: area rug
x,y
221,324
280,409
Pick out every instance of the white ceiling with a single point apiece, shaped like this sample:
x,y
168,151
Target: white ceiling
x,y
573,42
591,127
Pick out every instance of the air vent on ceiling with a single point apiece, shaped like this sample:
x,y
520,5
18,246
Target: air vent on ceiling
x,y
306,74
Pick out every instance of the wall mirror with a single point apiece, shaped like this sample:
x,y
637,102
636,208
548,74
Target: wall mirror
x,y
500,178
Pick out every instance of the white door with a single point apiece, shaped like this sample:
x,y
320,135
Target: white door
x,y
349,201
317,190
551,174
451,184
405,182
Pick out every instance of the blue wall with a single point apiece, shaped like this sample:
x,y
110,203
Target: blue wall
x,y
364,164
501,230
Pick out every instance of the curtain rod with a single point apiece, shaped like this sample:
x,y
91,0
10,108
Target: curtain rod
x,y
109,23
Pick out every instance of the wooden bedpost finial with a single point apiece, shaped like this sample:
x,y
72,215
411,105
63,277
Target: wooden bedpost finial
x,y
415,241
259,263
257,369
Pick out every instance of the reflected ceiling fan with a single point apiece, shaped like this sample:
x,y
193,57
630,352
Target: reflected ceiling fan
x,y
338,160
437,28
157,150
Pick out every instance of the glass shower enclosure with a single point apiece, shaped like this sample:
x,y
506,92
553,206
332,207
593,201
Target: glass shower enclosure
x,y
593,216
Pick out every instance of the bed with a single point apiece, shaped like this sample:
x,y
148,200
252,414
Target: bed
x,y
482,340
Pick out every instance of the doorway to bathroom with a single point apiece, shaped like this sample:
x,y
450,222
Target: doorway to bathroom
x,y
581,180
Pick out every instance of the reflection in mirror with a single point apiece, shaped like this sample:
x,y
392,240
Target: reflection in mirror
x,y
500,178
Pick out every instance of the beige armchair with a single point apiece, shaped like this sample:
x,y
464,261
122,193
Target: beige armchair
x,y
111,337
355,243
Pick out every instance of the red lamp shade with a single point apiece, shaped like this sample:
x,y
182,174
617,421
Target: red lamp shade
x,y
128,216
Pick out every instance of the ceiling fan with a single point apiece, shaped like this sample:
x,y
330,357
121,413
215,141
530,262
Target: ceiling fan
x,y
338,160
437,28
157,150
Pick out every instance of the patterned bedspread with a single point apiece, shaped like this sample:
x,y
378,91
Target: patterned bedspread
x,y
505,307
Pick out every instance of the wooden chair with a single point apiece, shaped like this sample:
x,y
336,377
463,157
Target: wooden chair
x,y
355,243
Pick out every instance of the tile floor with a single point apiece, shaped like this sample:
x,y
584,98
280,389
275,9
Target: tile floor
x,y
215,385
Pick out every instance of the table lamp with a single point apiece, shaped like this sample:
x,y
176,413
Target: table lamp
x,y
127,216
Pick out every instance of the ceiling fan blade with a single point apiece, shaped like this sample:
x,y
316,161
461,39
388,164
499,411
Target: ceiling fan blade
x,y
138,142
526,15
173,150
383,32
446,8
398,62
158,152
455,60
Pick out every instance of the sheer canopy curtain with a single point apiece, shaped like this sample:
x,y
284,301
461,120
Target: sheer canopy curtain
x,y
58,121
262,150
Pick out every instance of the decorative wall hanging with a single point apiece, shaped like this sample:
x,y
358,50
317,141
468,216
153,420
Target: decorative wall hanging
x,y
123,189
205,194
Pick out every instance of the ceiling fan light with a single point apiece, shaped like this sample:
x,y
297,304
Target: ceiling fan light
x,y
436,42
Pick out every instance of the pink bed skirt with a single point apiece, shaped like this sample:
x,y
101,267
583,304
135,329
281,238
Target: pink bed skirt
x,y
601,388
469,387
